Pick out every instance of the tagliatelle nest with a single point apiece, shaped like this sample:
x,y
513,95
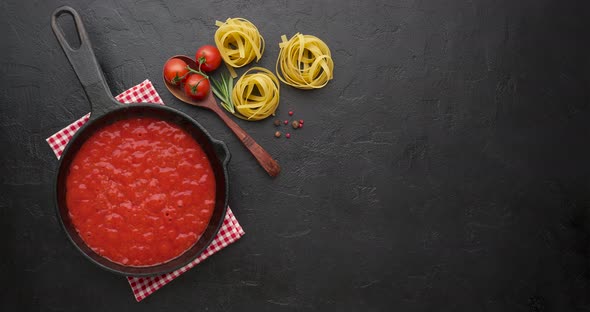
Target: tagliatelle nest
x,y
255,95
238,41
305,62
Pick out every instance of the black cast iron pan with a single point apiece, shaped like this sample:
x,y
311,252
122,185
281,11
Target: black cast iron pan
x,y
106,110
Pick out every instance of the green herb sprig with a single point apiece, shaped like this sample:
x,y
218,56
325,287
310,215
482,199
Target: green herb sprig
x,y
223,88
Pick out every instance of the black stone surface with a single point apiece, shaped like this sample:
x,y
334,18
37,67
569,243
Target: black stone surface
x,y
445,168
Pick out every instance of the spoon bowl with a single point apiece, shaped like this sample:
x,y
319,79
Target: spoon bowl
x,y
209,102
261,155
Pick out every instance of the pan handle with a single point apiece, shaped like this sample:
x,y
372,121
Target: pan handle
x,y
222,151
85,64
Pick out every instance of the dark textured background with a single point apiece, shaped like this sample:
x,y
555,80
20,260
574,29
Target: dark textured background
x,y
445,168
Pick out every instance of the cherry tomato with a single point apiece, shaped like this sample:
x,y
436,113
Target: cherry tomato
x,y
197,86
209,56
175,71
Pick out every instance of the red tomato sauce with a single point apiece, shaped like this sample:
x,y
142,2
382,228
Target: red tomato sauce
x,y
140,191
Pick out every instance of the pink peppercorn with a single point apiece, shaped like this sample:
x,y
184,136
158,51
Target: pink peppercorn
x,y
288,135
286,121
300,125
300,121
290,113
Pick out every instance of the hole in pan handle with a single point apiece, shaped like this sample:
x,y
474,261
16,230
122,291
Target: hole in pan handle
x,y
85,64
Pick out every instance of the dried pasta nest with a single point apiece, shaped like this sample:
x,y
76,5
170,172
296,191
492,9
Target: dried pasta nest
x,y
238,41
256,94
305,62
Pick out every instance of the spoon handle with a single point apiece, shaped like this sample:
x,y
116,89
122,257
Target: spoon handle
x,y
261,155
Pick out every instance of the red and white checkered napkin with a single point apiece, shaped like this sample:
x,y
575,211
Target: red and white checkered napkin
x,y
230,231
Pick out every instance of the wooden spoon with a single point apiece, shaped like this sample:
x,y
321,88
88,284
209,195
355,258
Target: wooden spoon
x,y
261,155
